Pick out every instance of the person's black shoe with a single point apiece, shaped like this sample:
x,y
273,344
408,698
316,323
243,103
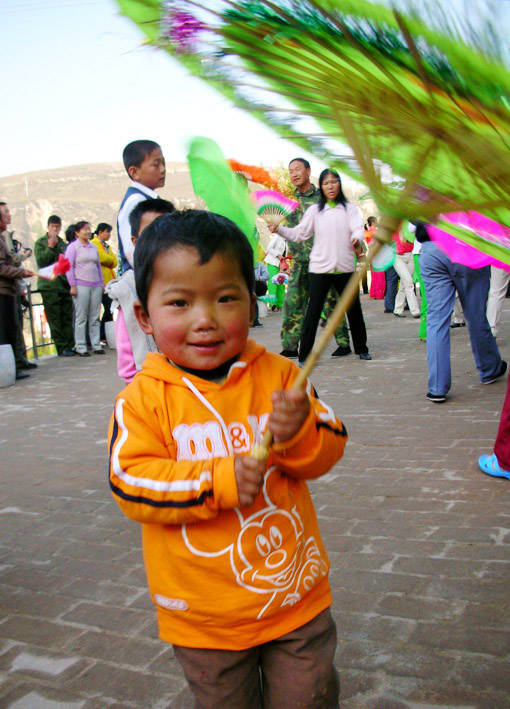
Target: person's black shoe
x,y
457,324
257,324
502,372
68,353
341,352
365,356
388,311
98,351
83,354
21,375
291,354
436,398
27,365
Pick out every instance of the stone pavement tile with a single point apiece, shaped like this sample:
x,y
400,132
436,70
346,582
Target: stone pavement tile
x,y
461,639
483,552
34,695
485,673
42,605
390,545
31,661
355,601
120,649
438,567
144,689
91,569
77,549
452,693
105,592
402,605
35,580
481,590
486,615
183,700
373,581
423,662
108,617
371,627
354,684
43,633
359,560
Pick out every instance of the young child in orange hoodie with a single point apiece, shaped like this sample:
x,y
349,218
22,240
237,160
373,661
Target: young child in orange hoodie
x,y
234,559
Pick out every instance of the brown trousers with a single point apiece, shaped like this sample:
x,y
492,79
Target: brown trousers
x,y
293,672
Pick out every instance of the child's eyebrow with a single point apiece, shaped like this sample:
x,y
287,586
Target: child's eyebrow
x,y
182,290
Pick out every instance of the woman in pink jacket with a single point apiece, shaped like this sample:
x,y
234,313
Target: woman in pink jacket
x,y
337,229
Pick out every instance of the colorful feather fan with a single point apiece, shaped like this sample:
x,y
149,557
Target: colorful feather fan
x,y
59,268
272,206
256,174
431,103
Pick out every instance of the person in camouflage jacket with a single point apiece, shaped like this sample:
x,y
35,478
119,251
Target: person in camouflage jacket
x,y
296,298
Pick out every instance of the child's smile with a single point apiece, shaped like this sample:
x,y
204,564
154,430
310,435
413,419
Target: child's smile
x,y
199,314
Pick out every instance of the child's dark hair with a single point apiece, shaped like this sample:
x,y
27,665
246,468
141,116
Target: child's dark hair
x,y
135,153
370,221
54,219
158,206
206,232
103,226
340,198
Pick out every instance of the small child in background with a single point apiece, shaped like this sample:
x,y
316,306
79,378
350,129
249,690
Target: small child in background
x,y
261,278
274,255
234,559
131,343
145,165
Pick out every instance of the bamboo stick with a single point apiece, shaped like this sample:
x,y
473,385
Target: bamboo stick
x,y
387,227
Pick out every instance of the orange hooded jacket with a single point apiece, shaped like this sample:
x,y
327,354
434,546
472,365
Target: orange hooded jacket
x,y
221,576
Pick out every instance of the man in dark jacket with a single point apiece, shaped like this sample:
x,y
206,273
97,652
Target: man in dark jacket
x,y
9,274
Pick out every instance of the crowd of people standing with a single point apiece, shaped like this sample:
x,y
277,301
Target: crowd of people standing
x,y
71,301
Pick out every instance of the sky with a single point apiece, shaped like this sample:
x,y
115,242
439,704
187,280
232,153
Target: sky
x,y
78,85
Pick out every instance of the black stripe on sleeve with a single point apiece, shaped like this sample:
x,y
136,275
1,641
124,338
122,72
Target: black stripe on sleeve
x,y
114,433
160,503
336,431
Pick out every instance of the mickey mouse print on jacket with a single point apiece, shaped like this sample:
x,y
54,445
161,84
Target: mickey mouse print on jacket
x,y
222,576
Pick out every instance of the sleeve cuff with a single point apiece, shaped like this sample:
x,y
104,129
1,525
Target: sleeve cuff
x,y
224,484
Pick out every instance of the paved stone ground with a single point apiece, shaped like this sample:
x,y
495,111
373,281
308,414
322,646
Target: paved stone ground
x,y
419,539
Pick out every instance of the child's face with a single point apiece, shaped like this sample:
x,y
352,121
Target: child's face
x,y
152,171
200,315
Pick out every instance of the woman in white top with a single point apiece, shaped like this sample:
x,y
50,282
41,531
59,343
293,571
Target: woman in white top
x,y
337,229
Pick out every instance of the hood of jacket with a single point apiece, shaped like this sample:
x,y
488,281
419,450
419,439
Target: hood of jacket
x,y
158,367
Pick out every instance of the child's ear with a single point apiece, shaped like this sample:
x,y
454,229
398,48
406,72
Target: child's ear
x,y
133,172
142,318
134,239
252,308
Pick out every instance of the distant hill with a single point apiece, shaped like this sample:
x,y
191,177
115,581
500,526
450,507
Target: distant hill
x,y
93,192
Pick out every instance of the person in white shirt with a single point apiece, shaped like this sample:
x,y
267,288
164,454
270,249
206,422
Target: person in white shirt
x,y
338,229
